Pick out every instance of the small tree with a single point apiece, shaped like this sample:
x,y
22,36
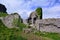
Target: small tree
x,y
3,8
39,11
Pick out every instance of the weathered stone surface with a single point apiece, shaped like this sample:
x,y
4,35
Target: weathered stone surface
x,y
48,25
25,21
3,8
32,18
8,20
27,30
1,18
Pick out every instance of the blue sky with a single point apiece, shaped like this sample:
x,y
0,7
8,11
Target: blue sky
x,y
51,8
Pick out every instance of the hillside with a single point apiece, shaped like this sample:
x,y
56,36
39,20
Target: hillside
x,y
13,27
14,33
7,33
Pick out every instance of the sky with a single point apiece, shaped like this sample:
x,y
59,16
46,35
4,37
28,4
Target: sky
x,y
51,8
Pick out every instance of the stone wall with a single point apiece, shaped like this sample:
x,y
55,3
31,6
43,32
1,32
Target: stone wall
x,y
48,25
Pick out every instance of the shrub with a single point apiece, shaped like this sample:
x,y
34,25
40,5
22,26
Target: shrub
x,y
9,34
3,14
39,12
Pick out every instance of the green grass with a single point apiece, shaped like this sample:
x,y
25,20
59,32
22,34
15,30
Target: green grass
x,y
10,34
54,36
14,33
21,25
3,14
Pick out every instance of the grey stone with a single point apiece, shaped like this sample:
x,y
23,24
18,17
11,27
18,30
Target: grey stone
x,y
8,20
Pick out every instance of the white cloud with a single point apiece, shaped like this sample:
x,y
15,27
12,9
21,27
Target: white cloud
x,y
27,6
24,13
14,5
53,12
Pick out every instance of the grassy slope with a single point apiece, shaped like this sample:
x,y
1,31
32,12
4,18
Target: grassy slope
x,y
14,33
17,34
31,36
9,34
54,36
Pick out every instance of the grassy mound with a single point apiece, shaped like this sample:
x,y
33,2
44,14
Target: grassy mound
x,y
9,34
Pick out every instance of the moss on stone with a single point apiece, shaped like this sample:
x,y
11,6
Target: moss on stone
x,y
39,12
3,14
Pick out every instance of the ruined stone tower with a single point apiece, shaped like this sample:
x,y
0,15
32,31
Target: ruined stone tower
x,y
37,14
